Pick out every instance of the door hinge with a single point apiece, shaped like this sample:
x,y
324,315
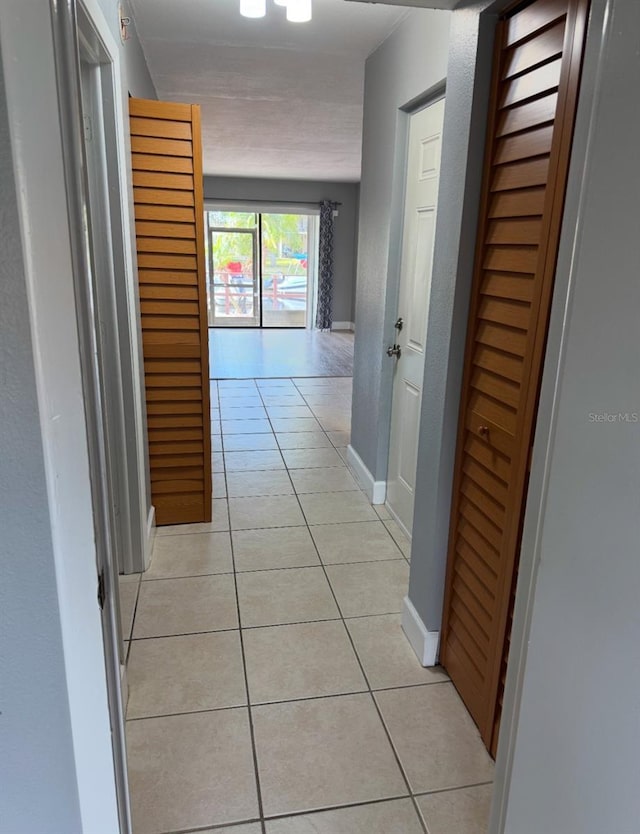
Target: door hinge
x,y
88,128
102,593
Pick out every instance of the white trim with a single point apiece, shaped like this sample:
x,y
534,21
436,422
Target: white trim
x,y
425,643
151,535
376,490
398,521
261,206
343,325
136,422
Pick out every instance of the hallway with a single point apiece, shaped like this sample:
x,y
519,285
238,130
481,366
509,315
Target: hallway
x,y
269,677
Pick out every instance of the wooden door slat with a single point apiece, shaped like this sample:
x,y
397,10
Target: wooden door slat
x,y
520,146
169,307
165,213
170,277
522,174
180,407
486,479
544,79
155,229
505,311
161,197
503,364
170,292
158,245
527,202
502,338
477,495
150,260
527,56
526,116
161,147
511,259
532,19
495,386
159,449
172,182
162,128
162,164
520,230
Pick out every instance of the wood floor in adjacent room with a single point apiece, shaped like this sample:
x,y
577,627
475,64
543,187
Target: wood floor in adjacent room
x,y
237,353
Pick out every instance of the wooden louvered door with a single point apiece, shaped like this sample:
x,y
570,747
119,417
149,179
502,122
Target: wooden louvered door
x,y
167,178
531,116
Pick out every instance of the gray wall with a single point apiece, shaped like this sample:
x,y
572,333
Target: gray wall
x,y
468,82
576,763
137,78
411,62
37,770
298,191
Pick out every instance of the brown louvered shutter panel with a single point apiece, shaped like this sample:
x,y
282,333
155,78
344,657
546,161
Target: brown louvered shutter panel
x,y
536,77
167,178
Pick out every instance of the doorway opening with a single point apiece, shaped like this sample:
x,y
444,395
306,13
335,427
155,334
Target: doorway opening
x,y
260,268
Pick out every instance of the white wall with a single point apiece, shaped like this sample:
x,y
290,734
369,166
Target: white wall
x,y
137,77
54,614
35,727
576,733
412,61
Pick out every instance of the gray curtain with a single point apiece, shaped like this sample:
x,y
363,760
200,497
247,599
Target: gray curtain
x,y
325,266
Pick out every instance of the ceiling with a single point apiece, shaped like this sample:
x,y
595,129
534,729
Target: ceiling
x,y
279,100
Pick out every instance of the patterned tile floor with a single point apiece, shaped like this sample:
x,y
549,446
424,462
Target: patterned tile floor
x,y
271,687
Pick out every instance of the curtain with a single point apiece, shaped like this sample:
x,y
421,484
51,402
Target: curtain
x,y
325,266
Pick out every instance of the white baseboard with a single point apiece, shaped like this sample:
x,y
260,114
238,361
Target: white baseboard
x,y
376,490
425,643
342,325
151,534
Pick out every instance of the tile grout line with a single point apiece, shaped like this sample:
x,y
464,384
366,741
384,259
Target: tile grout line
x,y
270,625
279,701
325,809
370,692
254,749
399,558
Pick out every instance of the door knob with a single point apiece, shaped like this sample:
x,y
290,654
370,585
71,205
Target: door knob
x,y
483,431
394,350
399,324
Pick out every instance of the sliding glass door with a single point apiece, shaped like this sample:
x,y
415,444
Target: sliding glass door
x,y
260,268
285,269
232,269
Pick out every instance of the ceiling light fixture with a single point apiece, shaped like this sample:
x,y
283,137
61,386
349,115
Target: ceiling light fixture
x,y
298,11
253,8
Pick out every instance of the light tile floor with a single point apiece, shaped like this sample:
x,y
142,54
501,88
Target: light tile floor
x,y
272,690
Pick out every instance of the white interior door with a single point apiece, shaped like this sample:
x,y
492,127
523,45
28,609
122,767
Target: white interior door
x,y
421,195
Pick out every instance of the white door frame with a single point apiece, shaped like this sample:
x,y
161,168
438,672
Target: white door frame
x,y
135,516
95,258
